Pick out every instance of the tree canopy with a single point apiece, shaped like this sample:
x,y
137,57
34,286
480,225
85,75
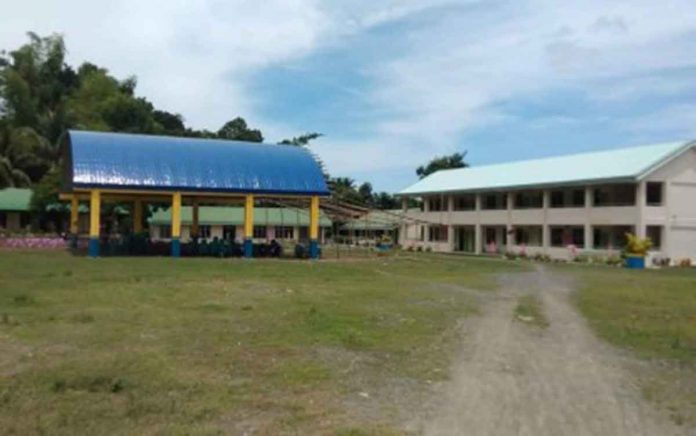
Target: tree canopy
x,y
41,96
438,163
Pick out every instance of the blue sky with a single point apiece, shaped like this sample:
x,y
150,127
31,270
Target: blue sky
x,y
393,83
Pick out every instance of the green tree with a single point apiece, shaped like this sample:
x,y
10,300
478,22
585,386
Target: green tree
x,y
455,160
302,140
238,130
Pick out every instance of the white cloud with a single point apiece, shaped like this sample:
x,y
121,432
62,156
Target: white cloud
x,y
457,73
464,58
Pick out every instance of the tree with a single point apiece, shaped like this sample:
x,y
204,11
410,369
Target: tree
x,y
238,130
171,124
302,140
455,160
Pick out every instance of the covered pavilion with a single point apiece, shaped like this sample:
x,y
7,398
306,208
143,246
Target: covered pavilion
x,y
141,169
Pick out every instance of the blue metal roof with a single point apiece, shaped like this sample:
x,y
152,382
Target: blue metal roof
x,y
129,161
626,164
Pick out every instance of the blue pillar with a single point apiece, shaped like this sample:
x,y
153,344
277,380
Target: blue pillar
x,y
248,248
93,248
314,249
176,247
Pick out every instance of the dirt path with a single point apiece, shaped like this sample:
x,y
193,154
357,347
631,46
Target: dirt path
x,y
518,379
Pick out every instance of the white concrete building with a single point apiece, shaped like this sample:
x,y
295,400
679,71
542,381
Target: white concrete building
x,y
562,205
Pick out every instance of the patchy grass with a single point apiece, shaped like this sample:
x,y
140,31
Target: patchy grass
x,y
160,345
529,310
653,314
650,312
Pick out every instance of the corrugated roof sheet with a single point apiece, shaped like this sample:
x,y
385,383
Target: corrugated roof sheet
x,y
15,199
624,164
118,160
227,215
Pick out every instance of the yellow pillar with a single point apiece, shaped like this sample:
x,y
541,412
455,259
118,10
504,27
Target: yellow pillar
x,y
94,215
138,216
194,223
74,215
176,224
248,225
314,227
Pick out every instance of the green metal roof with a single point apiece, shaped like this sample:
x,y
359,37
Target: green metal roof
x,y
626,164
377,220
15,199
226,215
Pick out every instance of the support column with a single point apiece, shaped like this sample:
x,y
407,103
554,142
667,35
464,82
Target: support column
x,y
545,229
509,237
194,219
640,209
74,220
589,203
314,228
477,227
137,216
477,238
176,224
249,226
94,214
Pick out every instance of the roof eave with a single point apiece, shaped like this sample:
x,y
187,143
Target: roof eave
x,y
622,179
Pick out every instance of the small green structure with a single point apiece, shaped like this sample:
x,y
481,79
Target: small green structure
x,y
15,209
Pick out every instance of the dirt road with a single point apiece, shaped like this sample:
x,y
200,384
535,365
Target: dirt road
x,y
518,379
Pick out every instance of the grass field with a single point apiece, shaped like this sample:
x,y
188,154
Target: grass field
x,y
160,345
653,314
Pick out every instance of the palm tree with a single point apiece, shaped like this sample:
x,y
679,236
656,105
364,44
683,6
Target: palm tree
x,y
24,156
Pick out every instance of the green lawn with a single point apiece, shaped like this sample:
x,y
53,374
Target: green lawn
x,y
653,314
160,345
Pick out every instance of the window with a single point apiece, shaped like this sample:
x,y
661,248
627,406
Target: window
x,y
654,194
165,231
3,219
615,195
260,232
529,200
284,232
655,235
436,204
437,234
465,202
528,235
565,236
568,198
229,233
204,232
558,199
494,201
611,237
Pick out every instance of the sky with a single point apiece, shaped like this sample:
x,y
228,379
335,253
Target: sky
x,y
391,84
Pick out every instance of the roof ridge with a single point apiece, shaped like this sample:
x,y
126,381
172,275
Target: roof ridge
x,y
559,156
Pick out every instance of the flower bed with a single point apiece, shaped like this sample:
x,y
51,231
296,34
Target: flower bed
x,y
33,242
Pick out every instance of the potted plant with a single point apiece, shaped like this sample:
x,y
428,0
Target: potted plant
x,y
636,250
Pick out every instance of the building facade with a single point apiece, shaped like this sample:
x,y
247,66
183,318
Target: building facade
x,y
15,209
562,206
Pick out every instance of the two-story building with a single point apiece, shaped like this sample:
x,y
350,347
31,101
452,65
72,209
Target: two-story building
x,y
562,205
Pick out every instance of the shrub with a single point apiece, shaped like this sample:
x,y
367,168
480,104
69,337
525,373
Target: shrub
x,y
685,263
614,260
637,246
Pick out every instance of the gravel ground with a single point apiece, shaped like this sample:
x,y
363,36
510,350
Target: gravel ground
x,y
514,378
